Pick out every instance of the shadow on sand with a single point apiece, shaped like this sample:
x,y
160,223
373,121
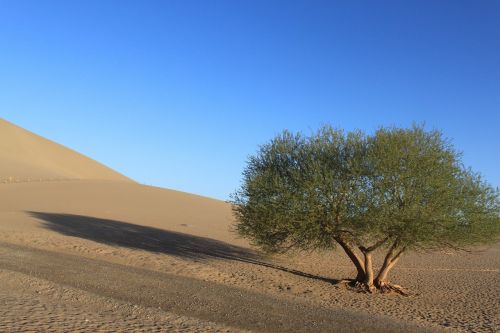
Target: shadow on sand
x,y
156,240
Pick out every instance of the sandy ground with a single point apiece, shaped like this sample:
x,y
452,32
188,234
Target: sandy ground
x,y
124,228
29,304
189,297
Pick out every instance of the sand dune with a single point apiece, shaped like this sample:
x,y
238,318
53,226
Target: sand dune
x,y
121,201
25,156
105,253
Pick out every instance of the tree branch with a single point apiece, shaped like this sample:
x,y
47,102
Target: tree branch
x,y
396,257
378,244
374,246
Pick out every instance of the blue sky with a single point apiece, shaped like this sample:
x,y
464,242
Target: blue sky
x,y
179,93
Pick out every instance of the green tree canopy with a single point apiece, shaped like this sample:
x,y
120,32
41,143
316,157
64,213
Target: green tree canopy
x,y
402,189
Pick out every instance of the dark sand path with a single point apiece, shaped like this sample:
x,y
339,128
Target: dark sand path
x,y
191,297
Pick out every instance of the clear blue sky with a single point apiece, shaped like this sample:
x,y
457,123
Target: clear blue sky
x,y
178,93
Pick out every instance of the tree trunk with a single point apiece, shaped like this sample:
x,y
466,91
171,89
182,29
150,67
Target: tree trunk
x,y
390,260
368,270
349,250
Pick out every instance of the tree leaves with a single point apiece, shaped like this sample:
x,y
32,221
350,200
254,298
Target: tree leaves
x,y
404,185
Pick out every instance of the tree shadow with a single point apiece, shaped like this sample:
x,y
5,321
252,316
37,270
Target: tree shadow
x,y
140,237
123,234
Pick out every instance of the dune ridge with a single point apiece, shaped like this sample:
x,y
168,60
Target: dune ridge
x,y
26,156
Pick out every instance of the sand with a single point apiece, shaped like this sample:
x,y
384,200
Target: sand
x,y
102,254
188,237
29,304
25,156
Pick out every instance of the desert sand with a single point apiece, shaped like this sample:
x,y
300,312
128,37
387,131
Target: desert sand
x,y
83,248
25,156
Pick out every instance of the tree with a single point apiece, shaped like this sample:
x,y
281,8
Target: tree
x,y
398,189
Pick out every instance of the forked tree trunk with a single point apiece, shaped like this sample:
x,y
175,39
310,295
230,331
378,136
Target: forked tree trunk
x,y
366,278
390,260
349,250
381,279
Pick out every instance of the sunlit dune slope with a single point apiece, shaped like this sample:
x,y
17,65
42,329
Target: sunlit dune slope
x,y
116,201
30,163
25,156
